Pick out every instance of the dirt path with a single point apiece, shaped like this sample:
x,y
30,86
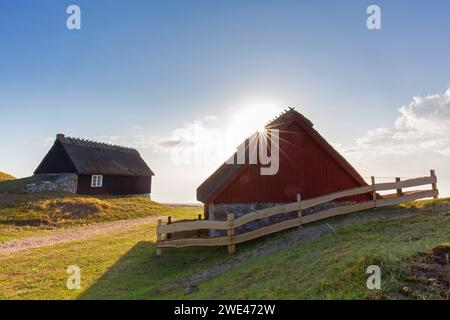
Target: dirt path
x,y
72,234
292,239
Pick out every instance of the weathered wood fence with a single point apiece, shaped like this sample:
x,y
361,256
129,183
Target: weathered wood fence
x,y
231,224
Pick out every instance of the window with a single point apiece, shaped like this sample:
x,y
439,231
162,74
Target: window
x,y
96,181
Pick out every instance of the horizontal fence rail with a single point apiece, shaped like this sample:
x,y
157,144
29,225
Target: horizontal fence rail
x,y
231,224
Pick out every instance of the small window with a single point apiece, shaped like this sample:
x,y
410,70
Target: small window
x,y
96,181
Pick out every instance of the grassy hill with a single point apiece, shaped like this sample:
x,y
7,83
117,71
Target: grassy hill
x,y
24,214
412,251
57,209
21,208
412,254
4,176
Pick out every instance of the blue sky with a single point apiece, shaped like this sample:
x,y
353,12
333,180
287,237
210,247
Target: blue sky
x,y
138,70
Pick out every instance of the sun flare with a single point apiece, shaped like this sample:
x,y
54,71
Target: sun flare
x,y
252,117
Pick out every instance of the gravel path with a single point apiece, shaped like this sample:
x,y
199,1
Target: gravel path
x,y
72,234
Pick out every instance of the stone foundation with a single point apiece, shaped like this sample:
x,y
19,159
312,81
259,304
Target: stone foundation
x,y
64,182
220,211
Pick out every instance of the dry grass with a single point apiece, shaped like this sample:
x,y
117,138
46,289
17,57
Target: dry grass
x,y
5,176
59,208
74,208
441,203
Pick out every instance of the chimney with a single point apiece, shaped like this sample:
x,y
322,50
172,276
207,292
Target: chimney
x,y
60,136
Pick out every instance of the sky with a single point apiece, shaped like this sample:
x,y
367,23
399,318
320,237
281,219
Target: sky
x,y
148,74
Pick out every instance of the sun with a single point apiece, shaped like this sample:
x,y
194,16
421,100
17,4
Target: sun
x,y
251,117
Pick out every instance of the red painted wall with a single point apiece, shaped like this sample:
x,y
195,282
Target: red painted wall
x,y
305,168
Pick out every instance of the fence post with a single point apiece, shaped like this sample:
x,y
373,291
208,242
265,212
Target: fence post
x,y
199,217
158,238
299,212
230,233
169,221
399,190
434,185
374,192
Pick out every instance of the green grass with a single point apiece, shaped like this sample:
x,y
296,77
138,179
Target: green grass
x,y
10,231
35,214
123,265
128,257
328,268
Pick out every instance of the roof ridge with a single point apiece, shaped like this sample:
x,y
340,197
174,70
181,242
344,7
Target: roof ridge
x,y
289,110
96,144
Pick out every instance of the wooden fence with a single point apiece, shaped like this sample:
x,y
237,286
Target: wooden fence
x,y
231,224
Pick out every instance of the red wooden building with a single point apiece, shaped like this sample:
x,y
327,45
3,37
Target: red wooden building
x,y
308,165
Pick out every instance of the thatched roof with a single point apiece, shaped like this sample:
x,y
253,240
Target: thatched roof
x,y
91,157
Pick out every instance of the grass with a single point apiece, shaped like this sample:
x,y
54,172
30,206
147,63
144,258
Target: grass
x,y
130,259
36,214
123,265
5,176
57,209
330,269
10,231
426,204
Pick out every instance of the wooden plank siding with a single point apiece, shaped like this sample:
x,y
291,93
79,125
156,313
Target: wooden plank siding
x,y
304,168
115,185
